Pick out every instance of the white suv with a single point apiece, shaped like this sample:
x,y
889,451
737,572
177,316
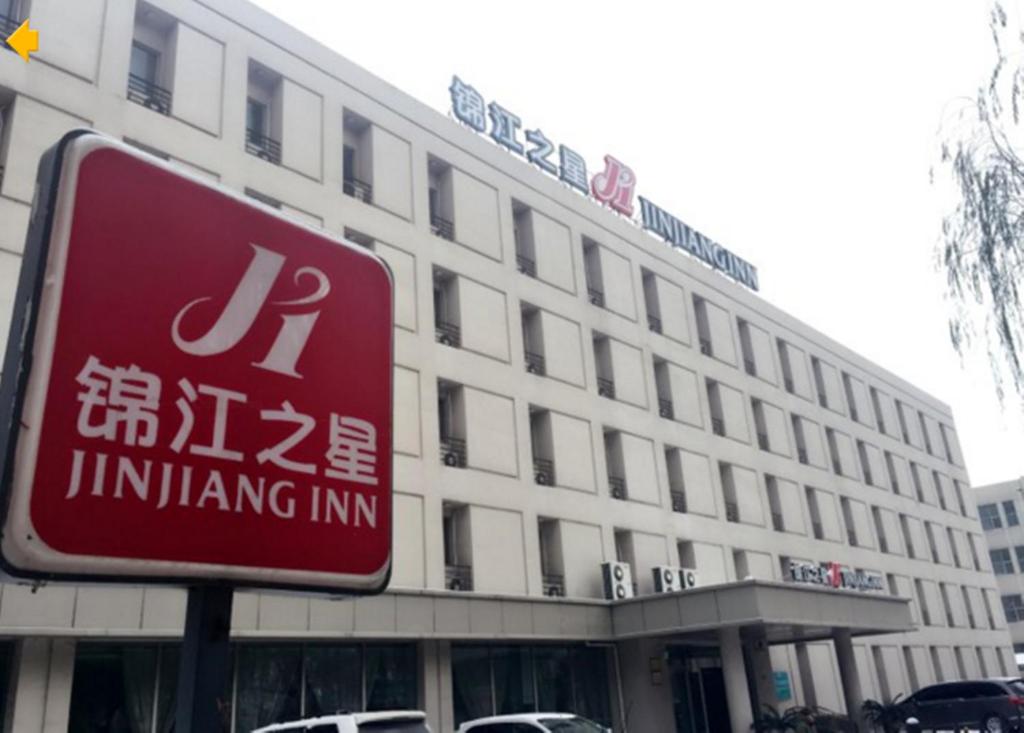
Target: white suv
x,y
396,721
532,723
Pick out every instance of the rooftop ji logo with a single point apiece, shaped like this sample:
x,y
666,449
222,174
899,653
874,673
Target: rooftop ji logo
x,y
614,186
244,307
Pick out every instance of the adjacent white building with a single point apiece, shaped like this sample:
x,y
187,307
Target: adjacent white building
x,y
1000,508
569,391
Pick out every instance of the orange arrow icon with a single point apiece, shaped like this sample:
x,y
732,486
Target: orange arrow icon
x,y
24,40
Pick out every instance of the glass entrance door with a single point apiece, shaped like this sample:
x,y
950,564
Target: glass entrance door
x,y
698,690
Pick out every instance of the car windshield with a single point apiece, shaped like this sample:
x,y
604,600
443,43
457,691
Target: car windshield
x,y
394,726
570,725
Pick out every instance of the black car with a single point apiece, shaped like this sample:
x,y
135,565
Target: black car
x,y
993,705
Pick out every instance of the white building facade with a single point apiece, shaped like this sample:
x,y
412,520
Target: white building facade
x,y
569,391
1000,508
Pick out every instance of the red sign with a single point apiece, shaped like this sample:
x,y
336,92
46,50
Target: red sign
x,y
208,388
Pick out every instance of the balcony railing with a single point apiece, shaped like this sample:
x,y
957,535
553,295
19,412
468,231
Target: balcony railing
x,y
535,363
596,297
762,441
665,408
357,189
748,365
442,227
789,384
654,323
526,266
263,146
544,471
705,346
801,455
554,585
617,486
777,523
678,501
732,511
458,577
448,334
453,452
717,426
143,91
606,388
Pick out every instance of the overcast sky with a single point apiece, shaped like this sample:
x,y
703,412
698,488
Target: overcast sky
x,y
798,134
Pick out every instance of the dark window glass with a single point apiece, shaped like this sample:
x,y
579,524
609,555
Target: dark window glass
x,y
333,679
268,685
471,683
554,679
391,677
7,8
989,689
590,679
1010,510
989,515
116,687
256,117
934,693
1002,563
513,680
348,162
144,62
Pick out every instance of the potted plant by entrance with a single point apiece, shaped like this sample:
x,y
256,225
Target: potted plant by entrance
x,y
886,715
790,720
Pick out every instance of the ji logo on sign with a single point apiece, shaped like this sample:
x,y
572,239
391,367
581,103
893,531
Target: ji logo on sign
x,y
614,186
244,307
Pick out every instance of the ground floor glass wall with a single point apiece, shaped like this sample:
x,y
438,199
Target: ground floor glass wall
x,y
498,680
131,688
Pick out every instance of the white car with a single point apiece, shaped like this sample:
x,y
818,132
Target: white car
x,y
532,723
394,721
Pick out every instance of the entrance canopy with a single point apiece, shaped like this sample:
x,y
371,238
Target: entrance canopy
x,y
787,612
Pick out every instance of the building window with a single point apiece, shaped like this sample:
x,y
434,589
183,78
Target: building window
x,y
916,476
747,347
125,687
663,386
1002,563
968,606
262,126
458,557
908,541
522,231
732,507
890,466
676,479
787,366
603,365
1013,605
851,400
851,528
715,407
447,330
819,381
1019,552
700,312
592,272
263,199
1010,510
615,465
940,492
877,406
148,72
543,446
357,158
651,302
951,539
800,438
771,485
499,680
833,451
815,511
760,425
926,616
533,339
451,422
10,18
883,541
552,569
440,199
989,515
865,464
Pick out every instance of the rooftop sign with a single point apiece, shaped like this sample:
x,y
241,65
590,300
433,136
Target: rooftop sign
x,y
614,187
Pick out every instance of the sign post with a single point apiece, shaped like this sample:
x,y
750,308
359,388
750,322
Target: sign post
x,y
196,392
